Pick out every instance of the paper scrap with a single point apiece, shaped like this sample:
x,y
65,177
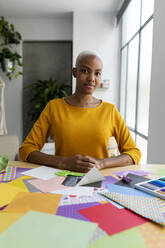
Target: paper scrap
x,y
111,219
19,183
7,193
49,185
24,202
77,190
30,187
9,174
41,172
92,176
37,229
74,199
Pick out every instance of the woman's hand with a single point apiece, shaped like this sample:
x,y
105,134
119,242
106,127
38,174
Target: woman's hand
x,y
81,163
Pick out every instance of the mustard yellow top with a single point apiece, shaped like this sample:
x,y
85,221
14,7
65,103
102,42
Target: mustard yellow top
x,y
79,130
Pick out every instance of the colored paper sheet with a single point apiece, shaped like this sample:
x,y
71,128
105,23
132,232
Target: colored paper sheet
x,y
37,229
108,180
24,202
19,183
149,208
153,235
92,176
9,174
49,185
161,172
7,193
30,187
127,191
135,172
73,199
79,191
19,171
134,179
111,219
71,211
128,239
6,219
41,172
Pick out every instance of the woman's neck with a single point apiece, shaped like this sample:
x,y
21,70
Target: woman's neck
x,y
81,100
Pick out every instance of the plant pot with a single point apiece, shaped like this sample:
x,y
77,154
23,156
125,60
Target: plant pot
x,y
6,65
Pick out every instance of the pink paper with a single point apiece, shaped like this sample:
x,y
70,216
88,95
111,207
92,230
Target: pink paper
x,y
112,219
49,185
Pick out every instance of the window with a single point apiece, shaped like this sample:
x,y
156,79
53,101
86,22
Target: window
x,y
136,52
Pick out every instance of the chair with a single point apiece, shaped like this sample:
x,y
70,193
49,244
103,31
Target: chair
x,y
9,144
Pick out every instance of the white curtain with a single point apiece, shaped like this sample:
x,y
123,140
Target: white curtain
x,y
3,128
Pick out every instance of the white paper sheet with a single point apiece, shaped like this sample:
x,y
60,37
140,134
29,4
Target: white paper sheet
x,y
42,172
91,177
77,190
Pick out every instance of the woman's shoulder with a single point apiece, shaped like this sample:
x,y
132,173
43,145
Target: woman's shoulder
x,y
108,105
55,101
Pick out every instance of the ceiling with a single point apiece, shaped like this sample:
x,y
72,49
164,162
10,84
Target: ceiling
x,y
51,8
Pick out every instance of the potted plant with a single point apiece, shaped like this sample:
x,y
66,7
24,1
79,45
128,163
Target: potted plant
x,y
42,93
10,59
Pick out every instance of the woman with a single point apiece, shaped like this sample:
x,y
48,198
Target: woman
x,y
81,125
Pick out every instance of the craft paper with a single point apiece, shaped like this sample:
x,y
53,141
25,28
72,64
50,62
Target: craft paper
x,y
19,171
24,202
73,199
71,211
108,180
7,193
41,172
153,235
19,183
92,176
78,190
111,219
147,207
41,230
127,191
30,187
9,174
6,219
135,172
134,179
49,185
128,239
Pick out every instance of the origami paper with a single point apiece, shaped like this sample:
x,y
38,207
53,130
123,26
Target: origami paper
x,y
135,172
147,207
108,180
7,193
92,176
77,190
37,229
41,172
49,185
19,183
134,179
19,171
73,199
128,239
30,187
6,219
9,174
111,219
24,202
71,211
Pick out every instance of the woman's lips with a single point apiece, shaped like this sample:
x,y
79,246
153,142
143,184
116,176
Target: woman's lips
x,y
89,86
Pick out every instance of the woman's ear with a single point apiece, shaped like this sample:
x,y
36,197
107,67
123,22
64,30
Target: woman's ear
x,y
74,72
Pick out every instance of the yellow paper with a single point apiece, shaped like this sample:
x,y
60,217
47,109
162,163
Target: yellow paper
x,y
6,219
7,193
19,183
26,201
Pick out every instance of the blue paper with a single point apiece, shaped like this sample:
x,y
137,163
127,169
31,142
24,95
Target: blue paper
x,y
127,191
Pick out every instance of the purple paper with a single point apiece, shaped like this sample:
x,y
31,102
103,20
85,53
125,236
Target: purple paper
x,y
71,211
19,171
135,172
108,180
3,207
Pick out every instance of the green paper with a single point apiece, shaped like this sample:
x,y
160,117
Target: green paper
x,y
127,239
40,230
3,162
161,172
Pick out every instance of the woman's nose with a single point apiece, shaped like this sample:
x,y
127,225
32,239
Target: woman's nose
x,y
91,77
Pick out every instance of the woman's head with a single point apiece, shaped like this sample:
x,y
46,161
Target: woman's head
x,y
87,72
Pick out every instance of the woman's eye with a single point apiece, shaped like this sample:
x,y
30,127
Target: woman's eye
x,y
84,70
98,73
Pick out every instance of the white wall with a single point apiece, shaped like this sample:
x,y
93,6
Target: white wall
x,y
156,140
31,29
97,32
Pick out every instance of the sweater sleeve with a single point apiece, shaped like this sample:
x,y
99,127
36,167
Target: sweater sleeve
x,y
37,136
124,139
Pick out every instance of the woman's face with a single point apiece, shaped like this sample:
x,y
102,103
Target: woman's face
x,y
88,74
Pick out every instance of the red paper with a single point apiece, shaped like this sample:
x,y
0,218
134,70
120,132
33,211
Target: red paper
x,y
112,219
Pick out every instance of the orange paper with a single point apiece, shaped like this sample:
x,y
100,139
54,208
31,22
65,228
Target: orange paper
x,y
26,201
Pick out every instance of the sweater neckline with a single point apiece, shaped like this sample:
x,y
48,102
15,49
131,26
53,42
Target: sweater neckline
x,y
77,107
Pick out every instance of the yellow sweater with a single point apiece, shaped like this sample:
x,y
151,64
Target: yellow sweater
x,y
78,130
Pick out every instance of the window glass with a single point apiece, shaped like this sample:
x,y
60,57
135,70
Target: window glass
x,y
144,78
147,10
132,82
123,81
131,20
142,145
133,135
